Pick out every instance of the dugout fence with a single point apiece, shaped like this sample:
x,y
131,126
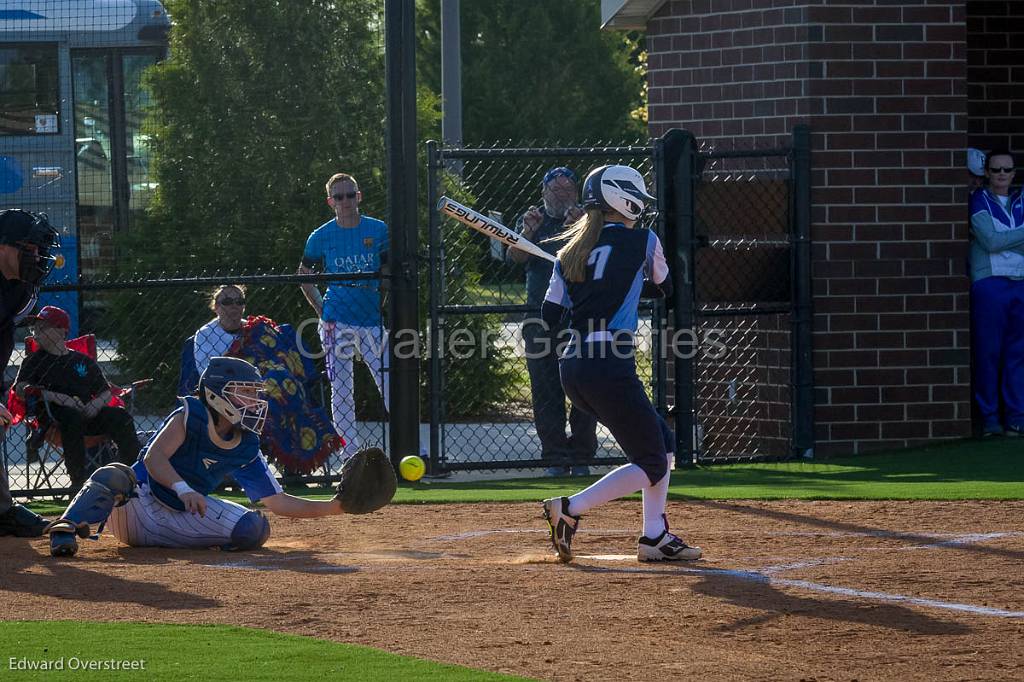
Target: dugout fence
x,y
146,329
473,285
729,365
735,225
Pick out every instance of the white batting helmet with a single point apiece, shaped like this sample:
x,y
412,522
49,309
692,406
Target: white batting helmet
x,y
617,188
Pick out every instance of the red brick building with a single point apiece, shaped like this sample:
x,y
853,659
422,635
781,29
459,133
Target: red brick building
x,y
894,92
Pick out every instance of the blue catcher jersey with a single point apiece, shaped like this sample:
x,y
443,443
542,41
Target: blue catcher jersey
x,y
334,249
607,299
203,465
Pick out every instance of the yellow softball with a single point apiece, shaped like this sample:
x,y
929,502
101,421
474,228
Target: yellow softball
x,y
412,468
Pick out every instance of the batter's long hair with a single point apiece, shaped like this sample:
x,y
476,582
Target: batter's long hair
x,y
582,235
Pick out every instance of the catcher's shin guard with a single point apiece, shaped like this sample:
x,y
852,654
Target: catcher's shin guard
x,y
251,532
110,486
62,537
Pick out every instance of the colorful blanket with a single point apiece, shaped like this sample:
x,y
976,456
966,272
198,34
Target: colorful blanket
x,y
297,434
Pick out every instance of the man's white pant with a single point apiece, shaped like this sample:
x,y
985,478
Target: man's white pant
x,y
342,343
147,522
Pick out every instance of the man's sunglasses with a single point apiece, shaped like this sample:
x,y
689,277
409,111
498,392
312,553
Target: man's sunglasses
x,y
232,301
997,169
347,195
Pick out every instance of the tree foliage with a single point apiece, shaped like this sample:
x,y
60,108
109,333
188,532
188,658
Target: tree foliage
x,y
258,103
538,71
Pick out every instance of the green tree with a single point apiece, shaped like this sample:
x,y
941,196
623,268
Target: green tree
x,y
539,71
257,105
259,102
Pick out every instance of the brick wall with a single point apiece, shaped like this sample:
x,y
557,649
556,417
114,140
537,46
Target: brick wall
x,y
995,74
883,88
727,72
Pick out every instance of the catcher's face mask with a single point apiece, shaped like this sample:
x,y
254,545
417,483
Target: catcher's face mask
x,y
241,404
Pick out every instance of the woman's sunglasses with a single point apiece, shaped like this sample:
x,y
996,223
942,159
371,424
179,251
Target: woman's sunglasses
x,y
232,301
1004,169
347,195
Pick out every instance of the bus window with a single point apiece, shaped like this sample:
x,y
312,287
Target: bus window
x,y
136,105
29,90
92,161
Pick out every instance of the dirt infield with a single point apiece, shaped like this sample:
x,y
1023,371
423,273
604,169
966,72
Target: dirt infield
x,y
787,590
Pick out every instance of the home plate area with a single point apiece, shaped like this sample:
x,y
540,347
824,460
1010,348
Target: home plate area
x,y
786,590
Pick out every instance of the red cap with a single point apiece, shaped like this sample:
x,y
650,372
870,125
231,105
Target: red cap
x,y
53,316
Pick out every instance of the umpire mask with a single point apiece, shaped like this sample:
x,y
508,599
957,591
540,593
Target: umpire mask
x,y
24,230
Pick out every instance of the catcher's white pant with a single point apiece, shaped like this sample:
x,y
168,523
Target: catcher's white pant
x,y
147,522
342,343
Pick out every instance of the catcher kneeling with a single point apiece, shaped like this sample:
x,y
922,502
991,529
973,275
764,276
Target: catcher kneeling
x,y
163,499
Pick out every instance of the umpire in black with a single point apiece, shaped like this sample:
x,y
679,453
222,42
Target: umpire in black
x,y
566,454
27,242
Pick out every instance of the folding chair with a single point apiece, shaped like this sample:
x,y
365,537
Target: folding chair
x,y
43,442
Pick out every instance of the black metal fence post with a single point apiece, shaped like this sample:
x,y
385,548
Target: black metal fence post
x,y
683,316
433,318
803,379
659,345
400,64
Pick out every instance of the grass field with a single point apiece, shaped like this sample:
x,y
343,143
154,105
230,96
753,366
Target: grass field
x,y
216,652
962,470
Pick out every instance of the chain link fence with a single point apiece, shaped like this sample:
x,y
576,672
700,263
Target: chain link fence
x,y
514,414
155,336
749,302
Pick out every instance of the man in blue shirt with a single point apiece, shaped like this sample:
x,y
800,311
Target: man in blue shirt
x,y
350,313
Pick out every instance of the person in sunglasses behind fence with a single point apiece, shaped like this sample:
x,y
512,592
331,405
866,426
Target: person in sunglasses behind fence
x,y
350,313
215,337
566,454
997,298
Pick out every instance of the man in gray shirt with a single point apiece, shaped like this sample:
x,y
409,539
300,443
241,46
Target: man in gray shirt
x,y
572,453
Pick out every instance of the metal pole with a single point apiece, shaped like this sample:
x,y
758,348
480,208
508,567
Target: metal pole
x,y
683,309
658,318
400,63
451,79
433,314
803,377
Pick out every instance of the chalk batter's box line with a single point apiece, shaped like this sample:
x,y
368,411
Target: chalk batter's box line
x,y
769,579
767,573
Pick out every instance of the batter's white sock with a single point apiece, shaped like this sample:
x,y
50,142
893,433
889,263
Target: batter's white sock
x,y
655,499
625,480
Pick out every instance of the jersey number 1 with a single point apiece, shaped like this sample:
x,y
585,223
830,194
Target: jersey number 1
x,y
599,259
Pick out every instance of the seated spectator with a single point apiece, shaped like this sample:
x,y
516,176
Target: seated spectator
x,y
298,437
997,298
215,337
77,394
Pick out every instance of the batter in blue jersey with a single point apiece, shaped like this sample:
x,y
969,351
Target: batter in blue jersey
x,y
164,499
600,276
350,313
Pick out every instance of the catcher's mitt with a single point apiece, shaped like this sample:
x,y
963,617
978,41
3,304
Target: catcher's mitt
x,y
367,482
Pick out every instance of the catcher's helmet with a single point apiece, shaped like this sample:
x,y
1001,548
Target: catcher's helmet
x,y
231,387
22,229
616,188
